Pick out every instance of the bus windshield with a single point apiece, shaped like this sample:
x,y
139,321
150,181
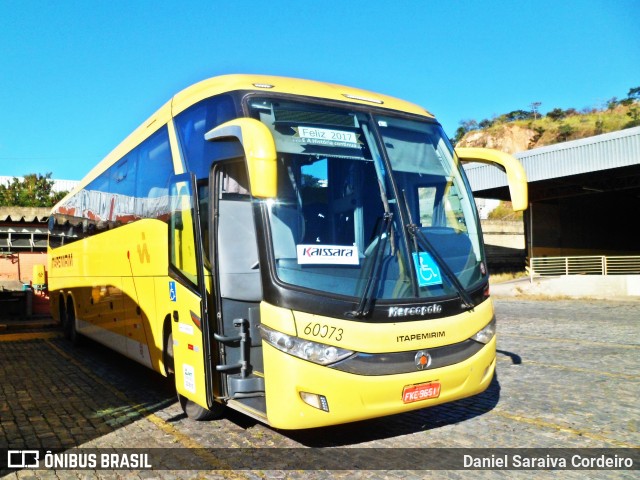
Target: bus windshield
x,y
352,185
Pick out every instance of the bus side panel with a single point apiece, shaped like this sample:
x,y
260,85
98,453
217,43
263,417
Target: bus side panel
x,y
186,330
100,311
146,252
139,308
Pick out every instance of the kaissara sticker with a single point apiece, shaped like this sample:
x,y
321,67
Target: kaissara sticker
x,y
327,255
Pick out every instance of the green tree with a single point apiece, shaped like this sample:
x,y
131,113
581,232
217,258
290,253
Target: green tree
x,y
556,114
518,115
504,211
564,132
465,127
634,113
599,126
34,190
535,106
632,96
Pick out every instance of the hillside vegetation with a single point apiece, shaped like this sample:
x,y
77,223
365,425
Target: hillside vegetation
x,y
521,130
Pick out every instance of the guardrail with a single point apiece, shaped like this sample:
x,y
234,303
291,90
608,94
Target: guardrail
x,y
584,265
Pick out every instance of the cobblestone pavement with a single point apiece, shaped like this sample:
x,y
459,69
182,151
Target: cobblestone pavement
x,y
567,376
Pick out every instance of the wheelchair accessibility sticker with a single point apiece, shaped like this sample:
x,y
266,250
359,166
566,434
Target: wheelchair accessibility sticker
x,y
172,291
426,269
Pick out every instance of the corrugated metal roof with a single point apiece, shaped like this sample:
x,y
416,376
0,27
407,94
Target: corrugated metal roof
x,y
592,154
24,214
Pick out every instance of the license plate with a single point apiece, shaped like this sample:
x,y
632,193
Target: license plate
x,y
424,391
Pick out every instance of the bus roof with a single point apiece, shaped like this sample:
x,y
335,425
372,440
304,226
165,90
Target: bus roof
x,y
267,83
234,82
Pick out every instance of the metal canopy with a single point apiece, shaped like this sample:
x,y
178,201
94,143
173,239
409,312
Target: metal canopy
x,y
602,163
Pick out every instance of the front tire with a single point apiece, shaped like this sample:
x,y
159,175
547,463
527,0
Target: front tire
x,y
168,355
189,407
196,412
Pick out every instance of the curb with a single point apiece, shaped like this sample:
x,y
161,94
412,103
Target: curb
x,y
8,325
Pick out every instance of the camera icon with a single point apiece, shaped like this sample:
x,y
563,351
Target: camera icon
x,y
23,459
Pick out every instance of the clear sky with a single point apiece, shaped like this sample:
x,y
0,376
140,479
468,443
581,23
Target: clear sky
x,y
76,77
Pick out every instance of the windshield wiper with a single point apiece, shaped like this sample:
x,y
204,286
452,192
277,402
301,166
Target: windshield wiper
x,y
422,240
366,300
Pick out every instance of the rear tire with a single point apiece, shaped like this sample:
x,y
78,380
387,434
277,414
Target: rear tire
x,y
74,337
62,315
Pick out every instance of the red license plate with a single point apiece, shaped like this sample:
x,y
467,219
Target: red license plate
x,y
424,391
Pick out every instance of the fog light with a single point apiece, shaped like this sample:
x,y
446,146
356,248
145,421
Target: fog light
x,y
315,400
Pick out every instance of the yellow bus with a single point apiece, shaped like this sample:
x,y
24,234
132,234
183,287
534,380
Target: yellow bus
x,y
307,253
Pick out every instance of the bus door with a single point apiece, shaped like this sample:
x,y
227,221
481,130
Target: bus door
x,y
238,286
187,292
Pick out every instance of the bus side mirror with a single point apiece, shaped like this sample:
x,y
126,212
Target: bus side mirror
x,y
259,150
516,176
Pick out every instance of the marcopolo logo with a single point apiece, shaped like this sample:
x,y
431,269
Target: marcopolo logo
x,y
420,310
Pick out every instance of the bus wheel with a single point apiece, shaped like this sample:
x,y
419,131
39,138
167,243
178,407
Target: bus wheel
x,y
64,321
167,354
73,335
196,412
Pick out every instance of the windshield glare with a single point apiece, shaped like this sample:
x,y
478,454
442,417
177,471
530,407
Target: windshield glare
x,y
337,201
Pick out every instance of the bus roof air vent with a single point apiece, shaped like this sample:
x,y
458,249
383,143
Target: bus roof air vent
x,y
363,99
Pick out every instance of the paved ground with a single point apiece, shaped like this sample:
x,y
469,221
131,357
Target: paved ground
x,y
567,377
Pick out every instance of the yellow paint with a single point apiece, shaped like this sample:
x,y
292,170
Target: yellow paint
x,y
355,397
259,149
17,337
516,176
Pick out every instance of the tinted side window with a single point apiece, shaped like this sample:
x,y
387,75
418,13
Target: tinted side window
x,y
122,179
155,168
197,120
135,187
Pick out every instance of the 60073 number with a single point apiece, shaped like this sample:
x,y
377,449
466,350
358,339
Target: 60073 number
x,y
323,331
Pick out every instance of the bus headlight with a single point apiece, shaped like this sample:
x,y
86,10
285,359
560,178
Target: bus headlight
x,y
307,350
487,333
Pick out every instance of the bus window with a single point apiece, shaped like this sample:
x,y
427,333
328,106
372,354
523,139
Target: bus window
x,y
315,182
123,180
236,242
181,232
194,122
426,205
155,168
